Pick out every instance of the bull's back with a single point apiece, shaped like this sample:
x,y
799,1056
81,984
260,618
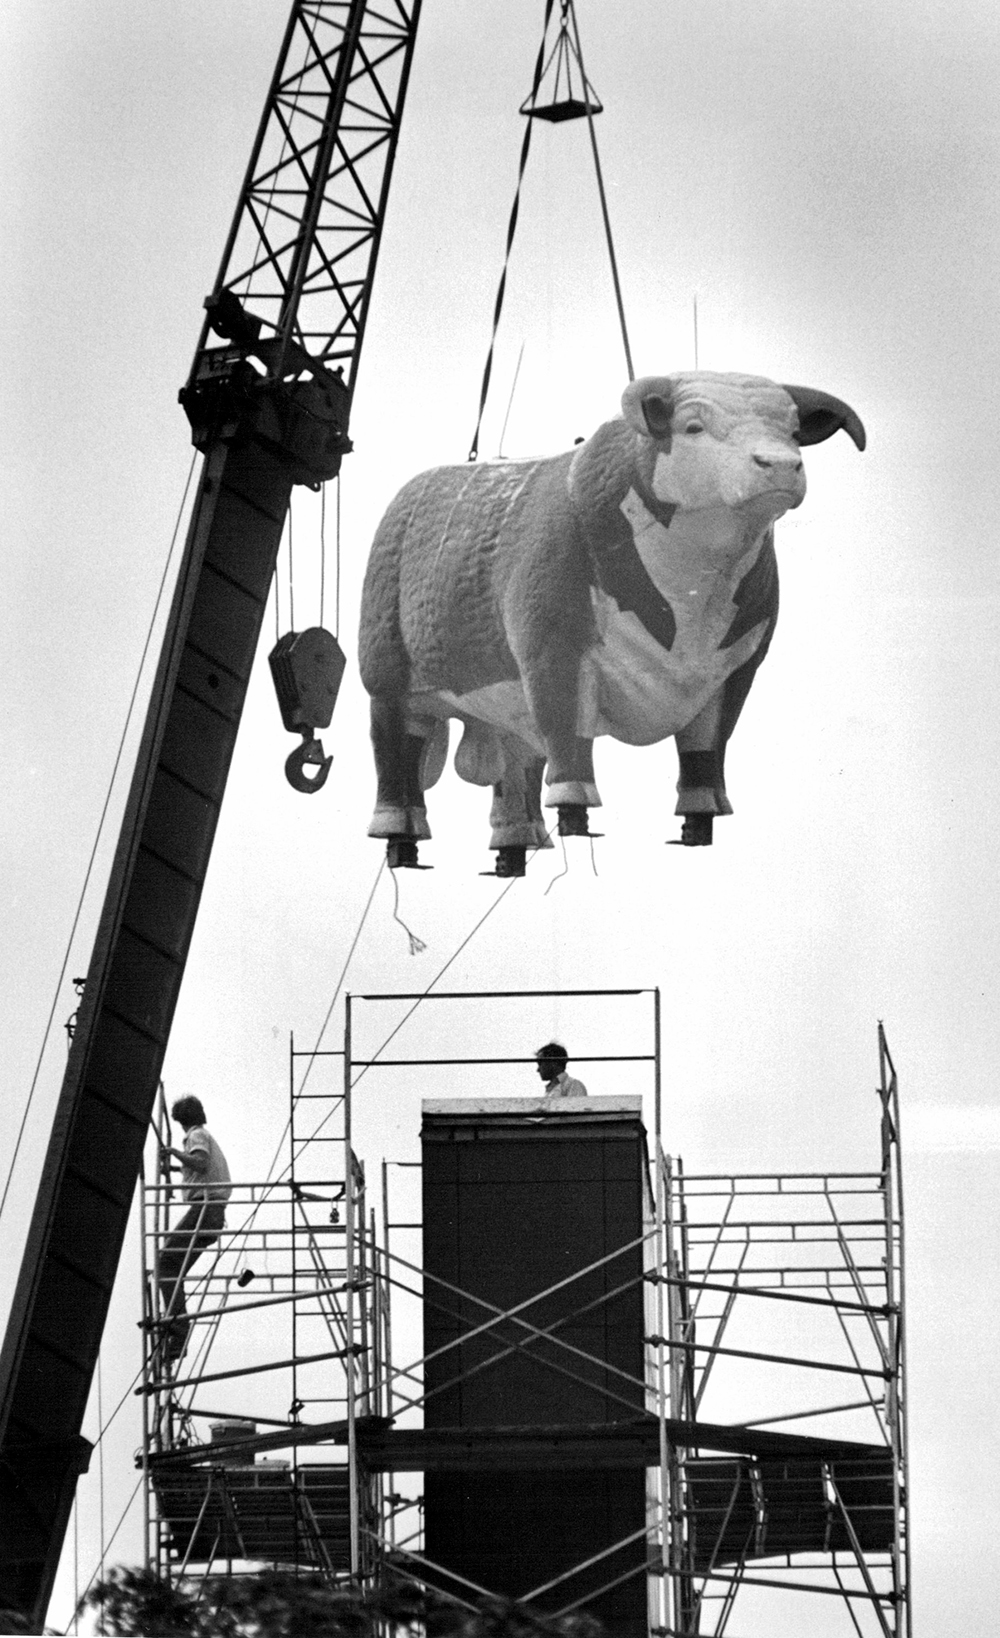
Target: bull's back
x,y
440,562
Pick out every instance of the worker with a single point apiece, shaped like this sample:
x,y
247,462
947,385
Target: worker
x,y
552,1060
206,1188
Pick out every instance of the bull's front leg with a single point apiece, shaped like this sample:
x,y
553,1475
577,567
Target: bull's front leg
x,y
549,620
701,787
555,704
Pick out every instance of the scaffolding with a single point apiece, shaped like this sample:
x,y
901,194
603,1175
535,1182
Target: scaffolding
x,y
805,1270
756,1290
285,1308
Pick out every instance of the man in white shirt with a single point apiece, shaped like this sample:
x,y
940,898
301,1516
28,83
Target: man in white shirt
x,y
206,1187
552,1060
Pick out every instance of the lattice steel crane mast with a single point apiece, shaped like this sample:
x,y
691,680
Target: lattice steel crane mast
x,y
269,399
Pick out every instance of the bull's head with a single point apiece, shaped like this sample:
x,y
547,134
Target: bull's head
x,y
730,440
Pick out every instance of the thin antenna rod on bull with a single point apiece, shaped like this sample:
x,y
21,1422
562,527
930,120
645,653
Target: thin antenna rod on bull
x,y
510,402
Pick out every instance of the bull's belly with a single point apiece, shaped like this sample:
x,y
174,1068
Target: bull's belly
x,y
630,687
503,705
617,696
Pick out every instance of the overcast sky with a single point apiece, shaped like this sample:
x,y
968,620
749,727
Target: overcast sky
x,y
824,178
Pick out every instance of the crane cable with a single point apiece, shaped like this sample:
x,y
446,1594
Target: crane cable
x,y
336,555
97,837
450,962
238,1235
571,9
568,12
511,228
271,1181
109,1545
287,533
104,1426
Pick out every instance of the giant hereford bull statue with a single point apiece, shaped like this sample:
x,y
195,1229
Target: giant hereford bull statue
x,y
628,587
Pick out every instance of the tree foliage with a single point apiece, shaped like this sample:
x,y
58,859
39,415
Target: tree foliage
x,y
135,1603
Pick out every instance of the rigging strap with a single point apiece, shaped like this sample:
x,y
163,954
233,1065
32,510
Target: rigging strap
x,y
511,228
568,108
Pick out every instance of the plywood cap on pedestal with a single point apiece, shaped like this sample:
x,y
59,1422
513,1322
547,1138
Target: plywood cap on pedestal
x,y
627,1107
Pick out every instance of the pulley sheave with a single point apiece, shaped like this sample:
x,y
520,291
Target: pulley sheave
x,y
307,667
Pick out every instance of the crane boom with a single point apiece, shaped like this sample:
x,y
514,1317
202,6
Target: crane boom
x,y
269,399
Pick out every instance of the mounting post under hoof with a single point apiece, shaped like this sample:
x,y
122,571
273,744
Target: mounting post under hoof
x,y
696,831
511,861
401,854
573,819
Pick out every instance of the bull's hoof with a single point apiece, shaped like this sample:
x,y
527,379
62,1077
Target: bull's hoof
x,y
401,854
511,861
696,831
573,819
391,823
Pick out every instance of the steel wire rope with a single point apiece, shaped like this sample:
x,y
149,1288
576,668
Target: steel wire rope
x,y
511,230
75,1619
571,9
247,1225
110,1543
438,975
322,551
271,1182
336,556
291,570
258,264
336,604
442,970
568,10
100,1467
97,838
104,1426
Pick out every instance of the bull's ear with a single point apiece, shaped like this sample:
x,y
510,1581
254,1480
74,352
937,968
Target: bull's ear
x,y
648,405
821,415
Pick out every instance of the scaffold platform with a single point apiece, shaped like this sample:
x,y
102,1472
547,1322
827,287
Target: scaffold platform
x,y
550,1296
264,1513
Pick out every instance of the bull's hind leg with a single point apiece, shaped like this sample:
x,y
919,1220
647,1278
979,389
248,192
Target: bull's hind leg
x,y
516,814
407,762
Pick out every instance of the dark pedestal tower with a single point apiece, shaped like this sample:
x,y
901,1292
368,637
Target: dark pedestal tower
x,y
534,1320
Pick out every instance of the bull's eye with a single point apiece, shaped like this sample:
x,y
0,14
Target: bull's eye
x,y
694,426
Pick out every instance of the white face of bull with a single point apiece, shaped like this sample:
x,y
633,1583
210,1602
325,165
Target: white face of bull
x,y
718,441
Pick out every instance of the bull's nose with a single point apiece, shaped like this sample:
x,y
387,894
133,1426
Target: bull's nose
x,y
787,463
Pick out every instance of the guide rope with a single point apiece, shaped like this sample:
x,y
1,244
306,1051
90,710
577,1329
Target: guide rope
x,y
97,838
417,945
237,1235
271,1180
442,970
110,1543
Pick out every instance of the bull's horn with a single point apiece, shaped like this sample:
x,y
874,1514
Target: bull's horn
x,y
821,415
648,405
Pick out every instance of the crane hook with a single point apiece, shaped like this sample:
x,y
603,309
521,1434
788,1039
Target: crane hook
x,y
307,667
308,754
